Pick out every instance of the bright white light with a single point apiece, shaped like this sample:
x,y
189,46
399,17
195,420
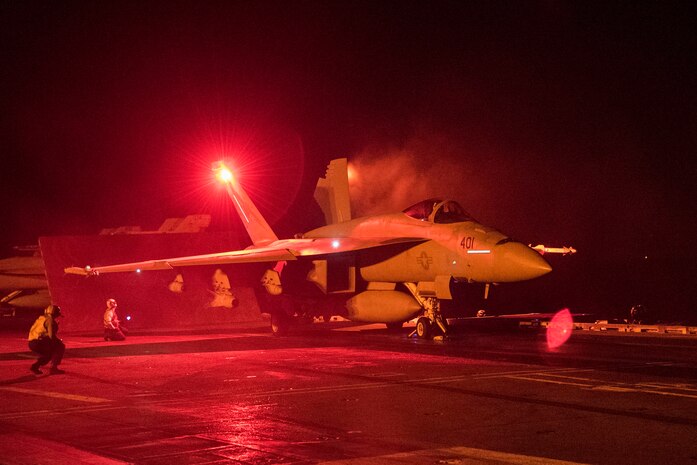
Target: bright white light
x,y
478,251
222,172
225,174
335,244
137,270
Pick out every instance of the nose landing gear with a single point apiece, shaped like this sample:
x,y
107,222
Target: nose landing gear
x,y
432,322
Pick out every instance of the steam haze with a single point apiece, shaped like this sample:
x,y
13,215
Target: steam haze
x,y
393,178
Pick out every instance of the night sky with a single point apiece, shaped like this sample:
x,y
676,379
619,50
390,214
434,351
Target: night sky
x,y
563,123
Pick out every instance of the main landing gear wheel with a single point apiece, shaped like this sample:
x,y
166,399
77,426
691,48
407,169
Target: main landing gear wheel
x,y
423,327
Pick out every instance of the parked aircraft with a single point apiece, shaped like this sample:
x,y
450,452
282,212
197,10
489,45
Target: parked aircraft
x,y
23,284
388,268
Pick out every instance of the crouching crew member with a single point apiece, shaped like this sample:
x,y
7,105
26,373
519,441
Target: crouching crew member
x,y
113,331
43,339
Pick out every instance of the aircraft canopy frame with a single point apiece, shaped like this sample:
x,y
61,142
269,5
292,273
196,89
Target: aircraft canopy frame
x,y
438,211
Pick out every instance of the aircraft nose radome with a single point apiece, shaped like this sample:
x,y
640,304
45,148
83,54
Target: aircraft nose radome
x,y
521,263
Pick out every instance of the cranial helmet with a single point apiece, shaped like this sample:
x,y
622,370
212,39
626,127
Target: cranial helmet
x,y
111,303
54,310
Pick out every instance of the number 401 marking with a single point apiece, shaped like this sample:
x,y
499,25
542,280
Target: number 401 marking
x,y
467,242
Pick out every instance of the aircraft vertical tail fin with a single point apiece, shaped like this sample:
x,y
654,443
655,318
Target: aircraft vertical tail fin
x,y
258,229
332,192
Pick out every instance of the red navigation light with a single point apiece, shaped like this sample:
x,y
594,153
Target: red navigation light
x,y
225,174
222,172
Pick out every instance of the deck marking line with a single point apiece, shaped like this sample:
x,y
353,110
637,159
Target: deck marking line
x,y
677,387
504,374
57,395
617,387
551,381
464,455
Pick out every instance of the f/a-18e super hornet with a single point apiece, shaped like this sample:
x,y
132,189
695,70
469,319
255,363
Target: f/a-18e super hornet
x,y
388,268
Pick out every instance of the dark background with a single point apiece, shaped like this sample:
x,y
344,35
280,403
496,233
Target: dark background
x,y
562,123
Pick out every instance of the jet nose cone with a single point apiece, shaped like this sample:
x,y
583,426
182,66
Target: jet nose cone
x,y
520,263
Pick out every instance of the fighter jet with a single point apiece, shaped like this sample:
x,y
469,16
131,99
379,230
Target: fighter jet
x,y
388,268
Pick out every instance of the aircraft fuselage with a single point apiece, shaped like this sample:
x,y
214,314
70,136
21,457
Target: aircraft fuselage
x,y
465,251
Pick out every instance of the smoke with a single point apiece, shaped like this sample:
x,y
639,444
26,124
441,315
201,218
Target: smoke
x,y
391,178
525,190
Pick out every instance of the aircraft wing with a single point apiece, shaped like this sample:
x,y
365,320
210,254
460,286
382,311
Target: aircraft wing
x,y
289,249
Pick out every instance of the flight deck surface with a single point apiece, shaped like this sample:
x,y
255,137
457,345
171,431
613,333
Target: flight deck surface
x,y
353,395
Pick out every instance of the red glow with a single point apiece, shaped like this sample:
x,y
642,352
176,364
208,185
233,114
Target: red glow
x,y
351,173
225,175
559,329
222,172
265,158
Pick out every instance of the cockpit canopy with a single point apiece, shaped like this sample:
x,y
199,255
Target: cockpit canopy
x,y
438,211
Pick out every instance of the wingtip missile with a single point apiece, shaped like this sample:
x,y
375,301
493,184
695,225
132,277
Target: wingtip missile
x,y
562,250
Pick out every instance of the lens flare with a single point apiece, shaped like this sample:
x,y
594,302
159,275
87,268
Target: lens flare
x,y
222,172
559,329
225,175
